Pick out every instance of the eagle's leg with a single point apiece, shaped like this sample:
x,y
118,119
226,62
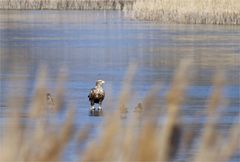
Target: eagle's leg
x,y
100,106
92,106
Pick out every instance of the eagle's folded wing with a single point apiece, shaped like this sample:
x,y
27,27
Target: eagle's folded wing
x,y
91,93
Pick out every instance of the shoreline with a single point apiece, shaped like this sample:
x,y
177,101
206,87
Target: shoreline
x,y
213,12
66,5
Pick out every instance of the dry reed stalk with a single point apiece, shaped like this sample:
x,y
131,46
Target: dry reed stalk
x,y
37,108
171,131
16,103
139,143
119,140
188,11
38,140
230,145
106,145
125,96
149,100
59,90
212,147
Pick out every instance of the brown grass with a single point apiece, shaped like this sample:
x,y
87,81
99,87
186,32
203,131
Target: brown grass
x,y
118,140
188,11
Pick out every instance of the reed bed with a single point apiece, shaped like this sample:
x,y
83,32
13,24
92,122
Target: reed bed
x,y
119,139
66,4
188,11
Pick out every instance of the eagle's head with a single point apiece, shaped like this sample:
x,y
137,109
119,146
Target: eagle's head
x,y
100,82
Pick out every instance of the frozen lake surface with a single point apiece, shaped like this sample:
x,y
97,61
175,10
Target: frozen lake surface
x,y
102,44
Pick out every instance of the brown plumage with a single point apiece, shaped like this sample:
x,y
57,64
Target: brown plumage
x,y
97,95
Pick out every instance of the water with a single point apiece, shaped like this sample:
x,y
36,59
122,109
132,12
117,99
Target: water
x,y
95,45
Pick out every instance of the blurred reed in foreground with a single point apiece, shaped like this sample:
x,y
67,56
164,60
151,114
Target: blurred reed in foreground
x,y
188,11
118,140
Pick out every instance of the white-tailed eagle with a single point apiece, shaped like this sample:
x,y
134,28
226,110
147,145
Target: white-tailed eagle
x,y
97,95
